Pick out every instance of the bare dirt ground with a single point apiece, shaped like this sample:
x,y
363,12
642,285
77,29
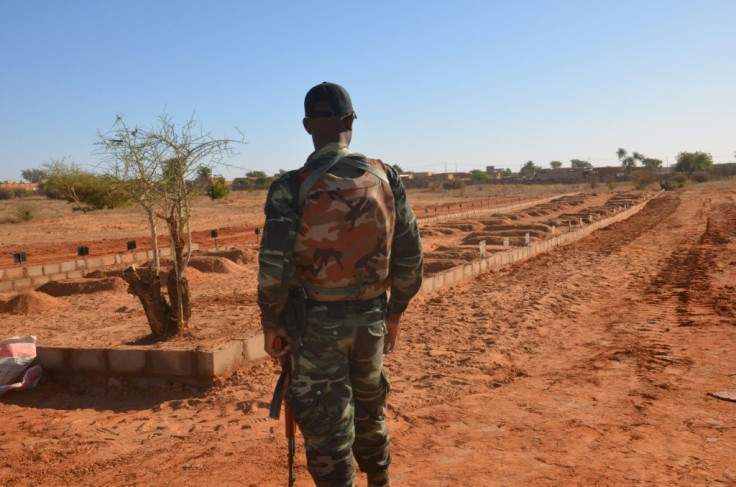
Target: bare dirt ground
x,y
589,365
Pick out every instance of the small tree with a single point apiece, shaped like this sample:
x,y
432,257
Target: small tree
x,y
478,175
65,180
219,188
580,164
529,169
651,163
555,164
690,162
204,172
33,175
153,165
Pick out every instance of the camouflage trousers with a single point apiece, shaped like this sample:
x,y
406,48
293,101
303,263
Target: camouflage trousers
x,y
338,392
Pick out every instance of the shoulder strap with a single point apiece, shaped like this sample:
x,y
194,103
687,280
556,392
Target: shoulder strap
x,y
357,163
316,174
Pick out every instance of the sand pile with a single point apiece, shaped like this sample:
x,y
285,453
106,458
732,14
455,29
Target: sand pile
x,y
217,265
84,286
236,255
31,302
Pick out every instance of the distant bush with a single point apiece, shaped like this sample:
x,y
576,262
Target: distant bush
x,y
643,178
26,212
6,194
679,180
700,176
68,182
611,182
219,188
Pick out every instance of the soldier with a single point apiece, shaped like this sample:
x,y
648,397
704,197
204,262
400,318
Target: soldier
x,y
341,229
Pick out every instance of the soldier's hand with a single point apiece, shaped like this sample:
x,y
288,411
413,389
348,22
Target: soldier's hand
x,y
392,327
275,342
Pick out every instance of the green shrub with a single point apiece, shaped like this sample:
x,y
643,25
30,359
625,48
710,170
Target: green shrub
x,y
700,177
219,188
6,193
678,180
643,178
26,212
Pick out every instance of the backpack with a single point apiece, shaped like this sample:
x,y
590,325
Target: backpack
x,y
342,249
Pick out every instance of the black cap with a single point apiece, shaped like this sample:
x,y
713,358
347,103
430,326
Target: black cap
x,y
337,99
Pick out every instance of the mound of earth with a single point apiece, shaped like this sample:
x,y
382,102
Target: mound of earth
x,y
238,256
97,274
31,302
84,286
217,265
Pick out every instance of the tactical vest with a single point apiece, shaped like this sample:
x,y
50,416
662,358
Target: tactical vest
x,y
343,248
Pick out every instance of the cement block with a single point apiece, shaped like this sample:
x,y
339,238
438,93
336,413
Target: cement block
x,y
171,362
91,359
22,283
74,275
81,264
58,277
94,263
2,274
49,269
126,361
6,286
141,256
225,359
165,252
14,273
118,259
67,266
254,348
34,271
40,280
127,258
108,260
52,358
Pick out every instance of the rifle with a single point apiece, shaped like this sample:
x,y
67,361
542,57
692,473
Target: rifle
x,y
280,394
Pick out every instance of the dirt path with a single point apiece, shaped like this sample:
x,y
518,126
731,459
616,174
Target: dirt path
x,y
589,365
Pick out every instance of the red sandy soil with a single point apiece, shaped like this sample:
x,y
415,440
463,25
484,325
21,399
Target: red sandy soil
x,y
590,365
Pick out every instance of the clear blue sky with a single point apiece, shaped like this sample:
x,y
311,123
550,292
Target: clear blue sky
x,y
458,84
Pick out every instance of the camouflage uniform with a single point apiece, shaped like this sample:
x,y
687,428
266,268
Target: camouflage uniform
x,y
338,388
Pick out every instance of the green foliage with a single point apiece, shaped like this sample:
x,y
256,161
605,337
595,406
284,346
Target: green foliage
x,y
700,176
580,164
651,163
67,181
611,182
26,212
643,178
6,193
593,182
261,180
33,175
555,164
529,169
690,162
204,172
219,188
678,180
478,175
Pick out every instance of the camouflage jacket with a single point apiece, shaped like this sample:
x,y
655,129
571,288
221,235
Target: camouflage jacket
x,y
404,260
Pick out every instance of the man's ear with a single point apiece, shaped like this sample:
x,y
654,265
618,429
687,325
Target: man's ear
x,y
349,123
305,122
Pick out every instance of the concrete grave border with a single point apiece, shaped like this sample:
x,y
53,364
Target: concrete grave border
x,y
204,366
